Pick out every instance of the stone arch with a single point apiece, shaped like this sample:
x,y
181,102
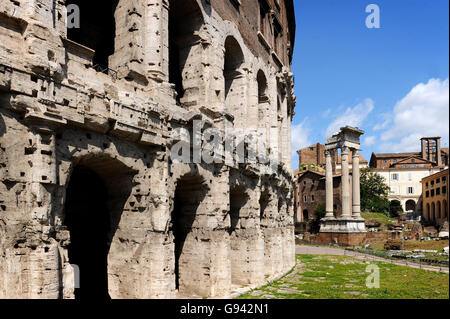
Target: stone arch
x,y
445,208
238,201
305,215
185,49
264,201
410,205
438,210
261,79
97,191
96,31
428,212
190,191
433,212
234,78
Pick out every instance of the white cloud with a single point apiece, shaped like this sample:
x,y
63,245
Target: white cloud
x,y
423,112
300,139
369,141
326,113
352,116
387,120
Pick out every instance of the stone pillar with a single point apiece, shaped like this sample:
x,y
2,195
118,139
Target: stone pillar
x,y
345,184
438,152
424,151
329,185
356,195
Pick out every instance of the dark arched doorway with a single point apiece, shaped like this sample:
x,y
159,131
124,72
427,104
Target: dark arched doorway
x,y
410,205
88,221
96,194
189,193
305,215
238,199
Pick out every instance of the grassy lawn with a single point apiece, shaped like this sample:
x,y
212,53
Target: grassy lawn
x,y
378,217
343,277
426,244
415,244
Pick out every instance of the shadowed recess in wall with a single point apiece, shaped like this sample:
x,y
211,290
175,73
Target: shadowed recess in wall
x,y
97,28
96,195
189,193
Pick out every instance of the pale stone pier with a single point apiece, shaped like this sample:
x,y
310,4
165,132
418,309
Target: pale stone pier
x,y
349,227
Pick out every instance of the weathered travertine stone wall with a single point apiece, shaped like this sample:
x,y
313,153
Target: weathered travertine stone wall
x,y
86,176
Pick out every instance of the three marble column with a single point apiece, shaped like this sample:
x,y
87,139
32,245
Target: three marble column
x,y
348,210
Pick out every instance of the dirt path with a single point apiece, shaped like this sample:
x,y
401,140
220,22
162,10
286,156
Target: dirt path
x,y
313,250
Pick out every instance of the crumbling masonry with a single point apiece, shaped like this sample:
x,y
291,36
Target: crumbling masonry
x,y
86,120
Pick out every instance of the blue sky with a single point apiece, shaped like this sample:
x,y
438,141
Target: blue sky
x,y
391,82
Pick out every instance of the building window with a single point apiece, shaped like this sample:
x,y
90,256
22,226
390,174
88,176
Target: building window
x,y
278,37
394,190
426,185
438,191
395,177
432,183
312,198
305,198
409,176
427,194
96,32
405,166
413,166
304,182
410,190
444,179
444,189
438,181
432,193
264,25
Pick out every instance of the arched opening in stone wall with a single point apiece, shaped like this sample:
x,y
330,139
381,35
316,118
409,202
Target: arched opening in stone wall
x,y
189,193
97,29
439,216
433,212
238,199
185,19
264,201
262,87
305,215
95,197
410,205
428,213
234,58
445,209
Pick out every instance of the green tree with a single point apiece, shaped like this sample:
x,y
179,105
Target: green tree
x,y
319,213
374,192
395,208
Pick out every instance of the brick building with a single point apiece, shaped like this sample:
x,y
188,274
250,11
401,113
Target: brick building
x,y
309,193
309,182
435,196
404,172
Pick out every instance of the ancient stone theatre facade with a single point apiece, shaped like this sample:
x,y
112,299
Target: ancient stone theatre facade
x,y
92,203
